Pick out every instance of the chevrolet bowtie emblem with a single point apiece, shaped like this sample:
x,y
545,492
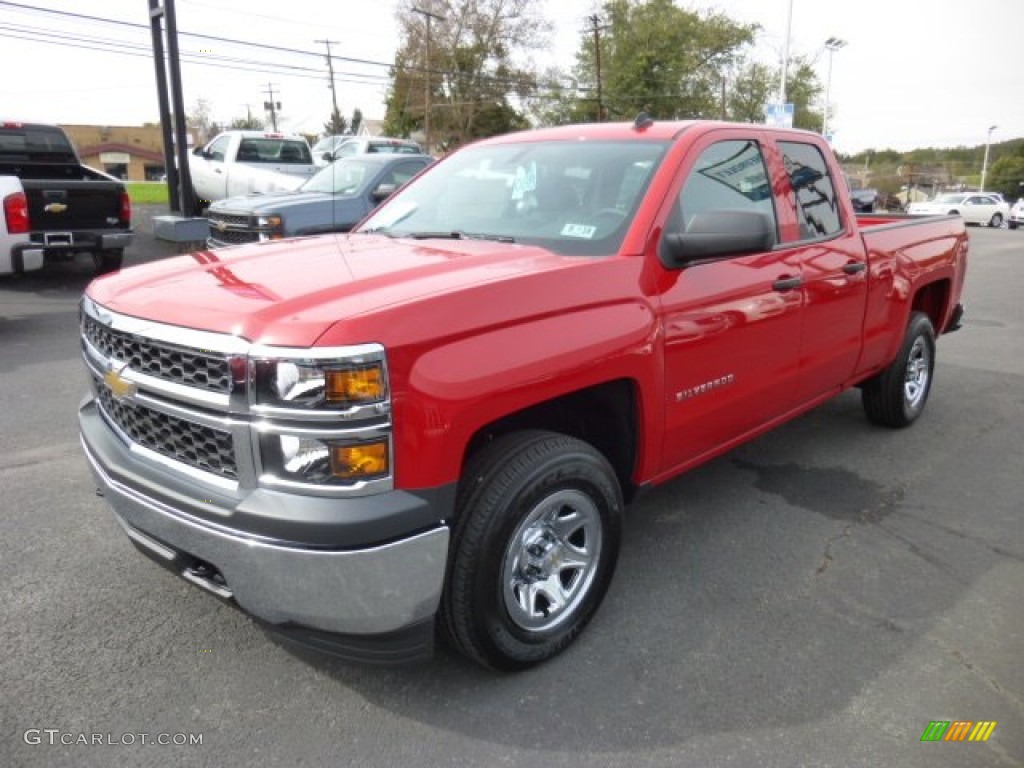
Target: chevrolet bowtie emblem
x,y
219,225
55,208
120,387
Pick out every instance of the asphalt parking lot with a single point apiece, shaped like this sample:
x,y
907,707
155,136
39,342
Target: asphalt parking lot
x,y
814,598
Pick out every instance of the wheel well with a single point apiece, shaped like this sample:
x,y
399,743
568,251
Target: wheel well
x,y
932,299
603,416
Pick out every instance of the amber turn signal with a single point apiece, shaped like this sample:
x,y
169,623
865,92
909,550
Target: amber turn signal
x,y
355,385
359,462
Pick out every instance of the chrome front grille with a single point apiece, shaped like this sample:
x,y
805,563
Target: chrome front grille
x,y
199,446
162,361
234,236
228,218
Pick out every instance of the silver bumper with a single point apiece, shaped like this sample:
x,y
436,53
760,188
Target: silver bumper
x,y
369,591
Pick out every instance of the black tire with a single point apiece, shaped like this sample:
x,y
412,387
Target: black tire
x,y
1011,224
108,260
897,395
539,517
996,220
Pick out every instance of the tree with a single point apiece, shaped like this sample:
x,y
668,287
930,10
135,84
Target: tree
x,y
803,89
337,125
247,123
1006,175
199,119
471,71
753,86
659,58
356,122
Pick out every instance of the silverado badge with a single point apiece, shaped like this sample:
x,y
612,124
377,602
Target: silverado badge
x,y
120,387
55,208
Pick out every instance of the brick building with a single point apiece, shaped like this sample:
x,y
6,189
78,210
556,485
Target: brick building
x,y
129,152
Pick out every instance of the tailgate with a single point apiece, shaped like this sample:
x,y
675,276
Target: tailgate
x,y
61,205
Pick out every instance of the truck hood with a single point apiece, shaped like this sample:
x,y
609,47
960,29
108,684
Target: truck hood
x,y
289,292
277,202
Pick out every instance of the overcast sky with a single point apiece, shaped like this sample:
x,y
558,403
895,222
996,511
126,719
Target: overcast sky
x,y
914,73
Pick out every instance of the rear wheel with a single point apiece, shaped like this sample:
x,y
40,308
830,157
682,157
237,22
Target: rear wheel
x,y
996,220
535,547
108,260
897,395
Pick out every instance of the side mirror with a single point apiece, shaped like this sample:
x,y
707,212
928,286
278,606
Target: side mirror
x,y
383,192
717,234
199,152
328,156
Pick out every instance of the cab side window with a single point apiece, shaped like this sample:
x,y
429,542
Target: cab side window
x,y
728,176
218,149
817,207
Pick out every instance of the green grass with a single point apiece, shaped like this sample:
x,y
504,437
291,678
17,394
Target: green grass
x,y
147,192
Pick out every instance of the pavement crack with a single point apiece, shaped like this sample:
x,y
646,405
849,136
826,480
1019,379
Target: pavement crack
x,y
827,558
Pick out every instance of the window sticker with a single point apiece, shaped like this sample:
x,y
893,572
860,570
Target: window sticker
x,y
526,181
584,231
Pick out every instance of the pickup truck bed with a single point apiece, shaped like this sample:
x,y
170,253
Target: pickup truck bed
x,y
72,208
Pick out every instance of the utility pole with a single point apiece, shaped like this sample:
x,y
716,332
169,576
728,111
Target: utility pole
x,y
330,69
595,26
426,77
272,106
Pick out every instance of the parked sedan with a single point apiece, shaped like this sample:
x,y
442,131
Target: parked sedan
x,y
332,148
333,200
976,208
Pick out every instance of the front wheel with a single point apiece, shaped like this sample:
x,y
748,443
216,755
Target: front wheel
x,y
535,546
897,396
996,220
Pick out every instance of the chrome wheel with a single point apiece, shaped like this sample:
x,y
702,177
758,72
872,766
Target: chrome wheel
x,y
915,383
996,220
551,560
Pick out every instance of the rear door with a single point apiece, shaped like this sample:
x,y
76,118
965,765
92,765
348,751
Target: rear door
x,y
834,268
731,326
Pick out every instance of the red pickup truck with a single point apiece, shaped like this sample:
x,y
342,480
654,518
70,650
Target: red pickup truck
x,y
438,419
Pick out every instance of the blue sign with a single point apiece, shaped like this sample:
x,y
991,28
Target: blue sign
x,y
779,115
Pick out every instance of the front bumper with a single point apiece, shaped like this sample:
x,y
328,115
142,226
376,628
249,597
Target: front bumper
x,y
371,603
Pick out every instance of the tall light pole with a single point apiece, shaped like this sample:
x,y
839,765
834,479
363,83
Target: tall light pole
x,y
833,44
426,77
785,57
984,163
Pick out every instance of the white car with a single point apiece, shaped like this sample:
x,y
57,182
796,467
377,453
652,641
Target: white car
x,y
975,207
1016,217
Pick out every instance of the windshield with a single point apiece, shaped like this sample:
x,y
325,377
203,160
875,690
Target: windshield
x,y
345,177
947,199
571,197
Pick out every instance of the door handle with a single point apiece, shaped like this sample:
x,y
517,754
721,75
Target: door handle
x,y
217,170
854,267
784,284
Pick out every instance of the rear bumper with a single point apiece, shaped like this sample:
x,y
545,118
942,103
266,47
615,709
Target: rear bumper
x,y
26,257
82,240
369,603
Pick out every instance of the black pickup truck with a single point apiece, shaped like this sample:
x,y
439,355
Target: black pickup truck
x,y
72,208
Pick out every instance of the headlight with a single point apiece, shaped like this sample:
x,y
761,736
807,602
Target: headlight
x,y
268,222
320,383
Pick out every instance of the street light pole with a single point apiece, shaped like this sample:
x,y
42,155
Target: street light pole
x,y
833,44
785,56
984,163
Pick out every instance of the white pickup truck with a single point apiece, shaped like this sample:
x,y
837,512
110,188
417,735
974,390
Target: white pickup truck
x,y
17,254
249,162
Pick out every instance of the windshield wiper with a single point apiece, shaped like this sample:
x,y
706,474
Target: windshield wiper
x,y
459,235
